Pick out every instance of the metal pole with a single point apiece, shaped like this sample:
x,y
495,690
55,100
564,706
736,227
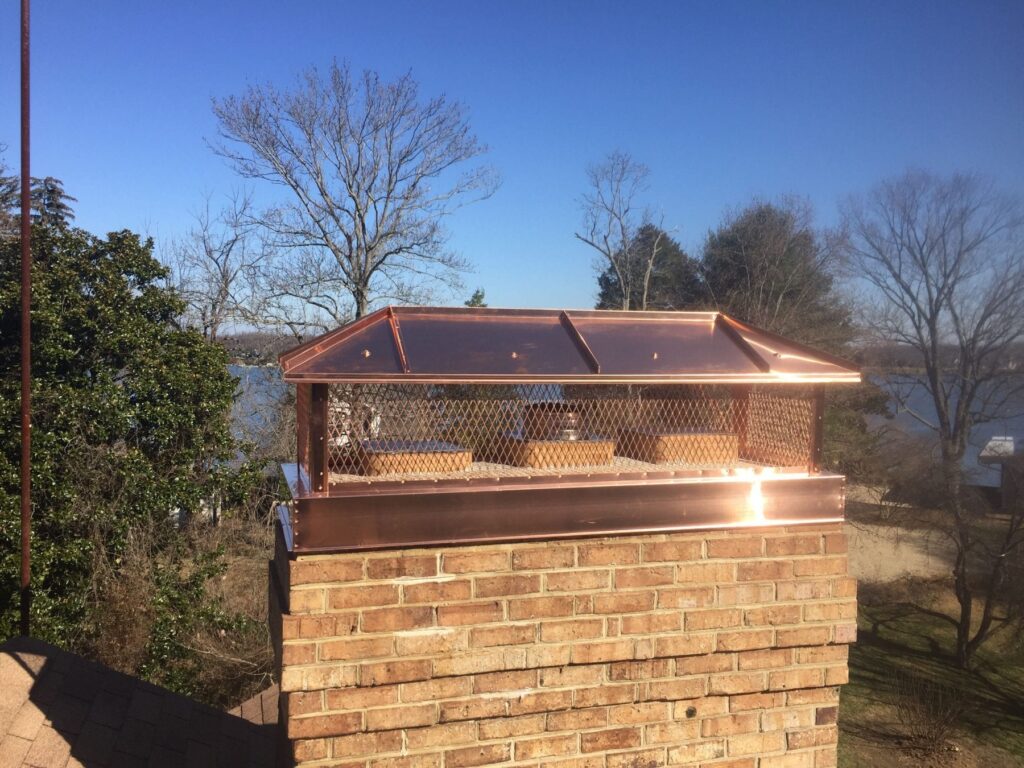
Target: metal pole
x,y
26,333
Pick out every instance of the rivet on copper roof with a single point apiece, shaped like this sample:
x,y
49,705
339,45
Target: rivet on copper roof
x,y
654,356
366,353
515,355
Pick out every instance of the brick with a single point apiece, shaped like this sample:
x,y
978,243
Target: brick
x,y
395,619
705,573
548,655
756,701
303,702
613,738
609,650
575,629
298,653
356,648
651,576
794,760
513,634
745,594
764,570
791,544
782,680
673,732
844,587
636,759
414,761
504,727
393,718
756,743
608,554
820,566
326,571
836,544
744,640
823,654
812,696
437,591
671,551
688,597
401,567
441,735
684,645
651,623
807,589
548,556
640,670
846,633
765,659
706,706
472,709
837,675
786,719
362,596
572,677
387,672
639,713
577,581
365,744
674,690
736,682
787,638
812,737
432,690
702,665
728,725
540,607
547,746
624,602
461,614
577,719
735,546
475,662
477,755
690,754
830,611
505,681
431,642
331,676
320,726
355,699
546,701
310,749
826,715
474,562
603,695
498,586
713,619
306,601
772,615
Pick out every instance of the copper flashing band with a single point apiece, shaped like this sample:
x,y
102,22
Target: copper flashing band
x,y
396,333
722,322
337,523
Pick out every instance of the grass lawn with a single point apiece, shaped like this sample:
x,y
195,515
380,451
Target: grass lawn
x,y
905,627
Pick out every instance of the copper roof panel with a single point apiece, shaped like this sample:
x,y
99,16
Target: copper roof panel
x,y
489,345
463,345
368,349
662,347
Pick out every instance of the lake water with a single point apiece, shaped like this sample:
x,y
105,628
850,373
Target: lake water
x,y
261,389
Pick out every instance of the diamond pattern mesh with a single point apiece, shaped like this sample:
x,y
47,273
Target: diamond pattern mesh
x,y
422,431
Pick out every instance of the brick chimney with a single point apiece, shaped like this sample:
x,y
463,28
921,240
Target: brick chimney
x,y
722,649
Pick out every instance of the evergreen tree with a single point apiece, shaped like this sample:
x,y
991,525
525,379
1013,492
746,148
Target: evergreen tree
x,y
674,282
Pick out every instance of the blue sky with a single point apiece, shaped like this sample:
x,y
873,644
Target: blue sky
x,y
724,101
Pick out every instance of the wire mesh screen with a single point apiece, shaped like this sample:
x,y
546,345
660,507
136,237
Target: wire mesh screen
x,y
423,431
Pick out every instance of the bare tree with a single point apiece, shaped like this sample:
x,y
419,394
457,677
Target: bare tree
x,y
612,221
214,266
943,262
371,171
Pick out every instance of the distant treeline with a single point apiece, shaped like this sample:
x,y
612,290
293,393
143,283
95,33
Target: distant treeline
x,y
903,357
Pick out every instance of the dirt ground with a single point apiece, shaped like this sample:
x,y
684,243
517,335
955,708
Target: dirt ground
x,y
887,553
